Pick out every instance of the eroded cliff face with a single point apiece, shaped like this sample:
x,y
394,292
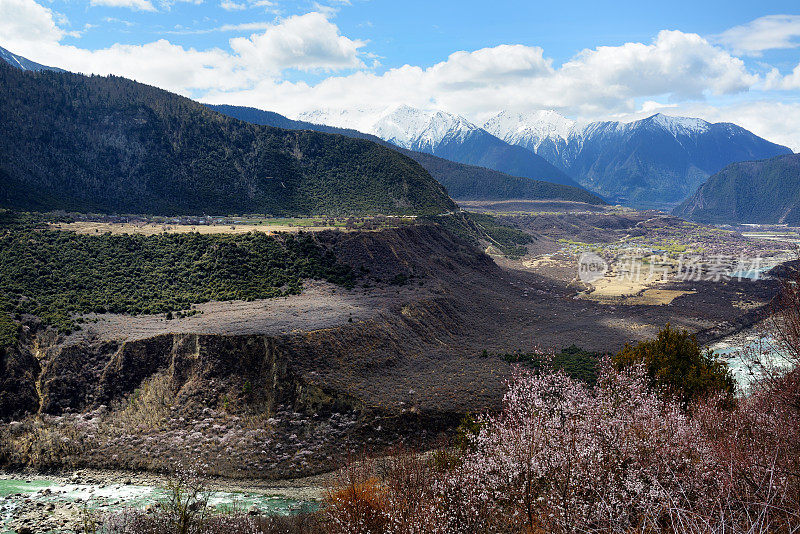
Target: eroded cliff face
x,y
18,372
50,375
365,365
248,405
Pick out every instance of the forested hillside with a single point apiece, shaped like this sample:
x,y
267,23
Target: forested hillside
x,y
109,144
55,275
462,181
765,192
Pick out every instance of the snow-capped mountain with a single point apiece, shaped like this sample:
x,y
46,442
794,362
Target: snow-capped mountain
x,y
404,126
530,129
442,134
653,162
422,130
22,63
544,132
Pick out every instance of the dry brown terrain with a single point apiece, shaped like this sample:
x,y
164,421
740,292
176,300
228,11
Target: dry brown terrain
x,y
153,229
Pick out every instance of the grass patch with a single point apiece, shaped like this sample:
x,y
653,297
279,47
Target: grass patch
x,y
578,363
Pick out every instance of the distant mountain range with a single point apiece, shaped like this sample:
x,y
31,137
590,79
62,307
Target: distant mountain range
x,y
462,181
112,145
760,192
654,162
444,135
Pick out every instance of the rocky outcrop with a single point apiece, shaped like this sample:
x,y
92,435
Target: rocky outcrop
x,y
18,372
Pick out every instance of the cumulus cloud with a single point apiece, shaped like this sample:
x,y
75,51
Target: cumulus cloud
x,y
765,33
775,80
305,42
674,67
24,21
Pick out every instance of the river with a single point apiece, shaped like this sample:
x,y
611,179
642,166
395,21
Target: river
x,y
61,503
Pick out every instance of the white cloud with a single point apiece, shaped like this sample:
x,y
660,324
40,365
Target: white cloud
x,y
138,5
765,33
651,106
774,80
675,67
682,64
228,5
24,21
305,42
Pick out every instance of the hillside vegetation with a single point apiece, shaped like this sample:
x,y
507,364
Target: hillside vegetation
x,y
462,181
481,229
108,144
470,182
56,275
765,192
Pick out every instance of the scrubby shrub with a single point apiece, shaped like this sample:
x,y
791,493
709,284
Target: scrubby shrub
x,y
40,442
676,362
148,407
9,330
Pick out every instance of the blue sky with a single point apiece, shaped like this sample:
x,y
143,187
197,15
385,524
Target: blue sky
x,y
720,60
425,32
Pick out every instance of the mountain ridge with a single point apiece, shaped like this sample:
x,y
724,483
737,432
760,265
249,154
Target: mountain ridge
x,y
462,181
657,161
110,145
759,192
444,135
22,63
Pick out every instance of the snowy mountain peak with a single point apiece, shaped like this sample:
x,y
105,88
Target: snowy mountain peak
x,y
530,129
679,125
410,127
355,119
544,123
22,63
402,125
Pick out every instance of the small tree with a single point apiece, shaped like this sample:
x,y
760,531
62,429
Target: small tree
x,y
674,361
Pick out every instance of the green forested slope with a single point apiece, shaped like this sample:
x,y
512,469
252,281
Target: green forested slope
x,y
109,144
763,192
56,275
